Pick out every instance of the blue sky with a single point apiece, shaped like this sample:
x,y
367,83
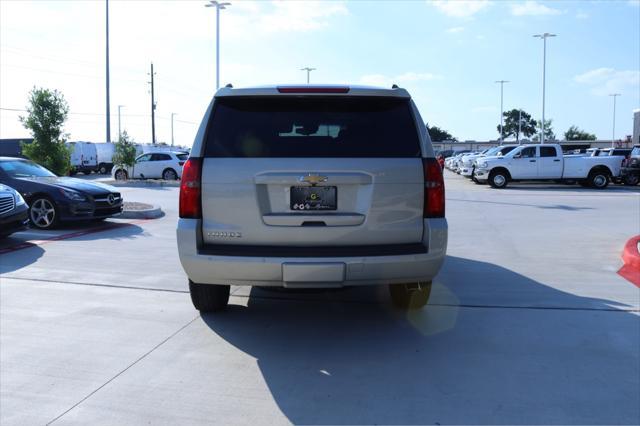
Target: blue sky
x,y
446,53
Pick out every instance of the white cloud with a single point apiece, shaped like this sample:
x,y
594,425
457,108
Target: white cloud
x,y
299,16
608,80
454,30
386,81
460,8
582,15
533,8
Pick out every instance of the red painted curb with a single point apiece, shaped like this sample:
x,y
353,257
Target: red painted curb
x,y
631,259
108,227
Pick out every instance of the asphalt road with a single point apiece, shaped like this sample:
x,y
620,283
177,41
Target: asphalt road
x,y
528,323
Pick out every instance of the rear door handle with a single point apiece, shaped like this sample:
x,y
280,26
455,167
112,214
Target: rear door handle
x,y
556,161
532,161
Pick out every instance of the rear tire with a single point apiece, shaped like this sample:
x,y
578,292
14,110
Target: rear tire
x,y
121,175
498,179
598,179
169,174
410,296
209,297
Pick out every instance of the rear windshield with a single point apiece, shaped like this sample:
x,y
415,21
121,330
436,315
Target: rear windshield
x,y
182,156
312,127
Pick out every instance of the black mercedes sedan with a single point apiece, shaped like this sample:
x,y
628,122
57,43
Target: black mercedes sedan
x,y
13,211
53,199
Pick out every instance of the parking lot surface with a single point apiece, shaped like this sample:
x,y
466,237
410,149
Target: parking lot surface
x,y
528,323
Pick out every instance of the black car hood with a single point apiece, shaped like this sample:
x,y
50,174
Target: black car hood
x,y
91,188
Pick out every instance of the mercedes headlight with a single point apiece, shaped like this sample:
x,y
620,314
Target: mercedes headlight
x,y
73,195
19,200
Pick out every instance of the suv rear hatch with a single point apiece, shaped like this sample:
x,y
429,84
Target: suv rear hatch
x,y
309,170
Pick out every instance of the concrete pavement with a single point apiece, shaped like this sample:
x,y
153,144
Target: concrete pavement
x,y
528,323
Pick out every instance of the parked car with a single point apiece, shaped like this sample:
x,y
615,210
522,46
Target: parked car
x,y
467,162
630,173
546,162
104,157
165,165
13,211
53,199
311,186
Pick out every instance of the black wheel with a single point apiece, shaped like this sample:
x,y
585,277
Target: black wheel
x,y
598,179
631,180
169,174
121,174
209,297
410,296
43,213
102,169
498,179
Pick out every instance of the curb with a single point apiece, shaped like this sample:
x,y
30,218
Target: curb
x,y
153,213
631,259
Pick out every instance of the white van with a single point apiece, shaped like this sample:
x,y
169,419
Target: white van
x,y
105,153
84,157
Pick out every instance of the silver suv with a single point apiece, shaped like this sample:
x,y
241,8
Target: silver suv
x,y
312,186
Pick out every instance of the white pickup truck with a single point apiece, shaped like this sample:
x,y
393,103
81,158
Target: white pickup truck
x,y
546,162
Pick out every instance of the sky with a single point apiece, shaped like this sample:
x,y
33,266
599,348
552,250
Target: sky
x,y
448,54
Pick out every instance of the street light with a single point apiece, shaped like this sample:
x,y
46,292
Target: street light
x,y
544,66
119,131
502,82
613,135
308,70
108,124
172,115
218,5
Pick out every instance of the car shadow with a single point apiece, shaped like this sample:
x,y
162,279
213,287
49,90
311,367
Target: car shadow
x,y
492,347
11,261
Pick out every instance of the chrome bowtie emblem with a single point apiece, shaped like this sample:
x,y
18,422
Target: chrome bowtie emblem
x,y
111,199
313,179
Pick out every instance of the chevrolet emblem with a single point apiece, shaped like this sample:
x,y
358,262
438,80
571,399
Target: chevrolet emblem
x,y
313,179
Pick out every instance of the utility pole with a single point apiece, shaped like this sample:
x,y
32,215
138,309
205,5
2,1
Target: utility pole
x,y
219,6
613,135
172,115
119,128
308,70
544,68
153,109
502,82
107,74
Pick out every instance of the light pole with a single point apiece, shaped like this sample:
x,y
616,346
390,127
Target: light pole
x,y
119,131
502,82
172,115
107,73
613,135
218,5
308,70
544,69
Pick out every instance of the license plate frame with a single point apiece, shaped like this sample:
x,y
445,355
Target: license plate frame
x,y
313,198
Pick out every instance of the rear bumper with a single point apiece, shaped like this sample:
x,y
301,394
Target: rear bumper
x,y
311,272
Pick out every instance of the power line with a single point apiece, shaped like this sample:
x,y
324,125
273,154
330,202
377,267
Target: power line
x,y
102,114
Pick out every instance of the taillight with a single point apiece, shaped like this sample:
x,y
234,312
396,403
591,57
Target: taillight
x,y
433,188
190,200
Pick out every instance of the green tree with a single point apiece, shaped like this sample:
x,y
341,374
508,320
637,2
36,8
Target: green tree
x,y
548,131
514,121
46,113
575,134
125,152
438,135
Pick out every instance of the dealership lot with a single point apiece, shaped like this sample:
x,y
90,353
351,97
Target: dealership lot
x,y
528,323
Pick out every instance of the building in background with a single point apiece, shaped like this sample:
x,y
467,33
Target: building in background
x,y
636,127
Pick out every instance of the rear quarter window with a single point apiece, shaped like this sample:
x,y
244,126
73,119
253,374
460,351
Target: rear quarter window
x,y
312,127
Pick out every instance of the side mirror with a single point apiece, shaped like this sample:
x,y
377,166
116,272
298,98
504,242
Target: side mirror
x,y
517,156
